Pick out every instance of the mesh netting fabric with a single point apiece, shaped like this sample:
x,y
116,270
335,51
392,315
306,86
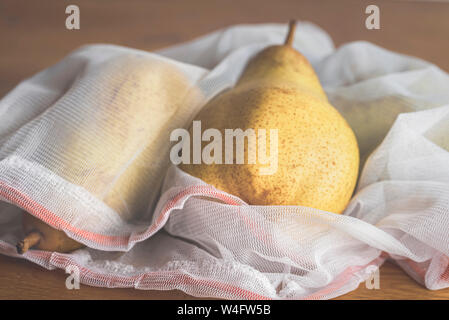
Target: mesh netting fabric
x,y
84,147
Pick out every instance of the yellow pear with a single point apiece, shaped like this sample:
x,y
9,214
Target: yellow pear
x,y
118,149
318,156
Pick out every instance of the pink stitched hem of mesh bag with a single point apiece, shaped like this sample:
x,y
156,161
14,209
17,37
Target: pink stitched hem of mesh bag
x,y
91,277
421,272
342,279
94,278
21,200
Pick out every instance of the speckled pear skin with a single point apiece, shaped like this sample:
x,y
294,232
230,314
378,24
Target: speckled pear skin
x,y
318,156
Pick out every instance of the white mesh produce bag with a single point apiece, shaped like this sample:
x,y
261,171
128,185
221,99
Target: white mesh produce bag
x,y
159,228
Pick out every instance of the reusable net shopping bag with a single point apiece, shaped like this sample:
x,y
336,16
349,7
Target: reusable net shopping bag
x,y
76,152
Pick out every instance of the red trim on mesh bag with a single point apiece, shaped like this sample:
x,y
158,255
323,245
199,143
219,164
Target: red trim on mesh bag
x,y
16,197
21,200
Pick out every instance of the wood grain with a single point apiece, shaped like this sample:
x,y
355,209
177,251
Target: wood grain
x,y
33,36
21,279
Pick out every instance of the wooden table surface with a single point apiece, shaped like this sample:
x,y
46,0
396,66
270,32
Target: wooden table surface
x,y
33,36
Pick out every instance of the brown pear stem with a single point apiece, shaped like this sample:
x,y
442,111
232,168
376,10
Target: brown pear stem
x,y
29,241
291,33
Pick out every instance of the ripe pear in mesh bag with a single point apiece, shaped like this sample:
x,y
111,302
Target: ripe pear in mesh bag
x,y
318,156
118,149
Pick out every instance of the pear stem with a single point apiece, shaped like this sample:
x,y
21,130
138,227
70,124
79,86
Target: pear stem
x,y
29,241
291,33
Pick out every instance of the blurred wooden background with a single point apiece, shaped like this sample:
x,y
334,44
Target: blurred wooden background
x,y
33,36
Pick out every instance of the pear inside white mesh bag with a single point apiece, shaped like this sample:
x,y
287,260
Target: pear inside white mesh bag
x,y
87,150
209,243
